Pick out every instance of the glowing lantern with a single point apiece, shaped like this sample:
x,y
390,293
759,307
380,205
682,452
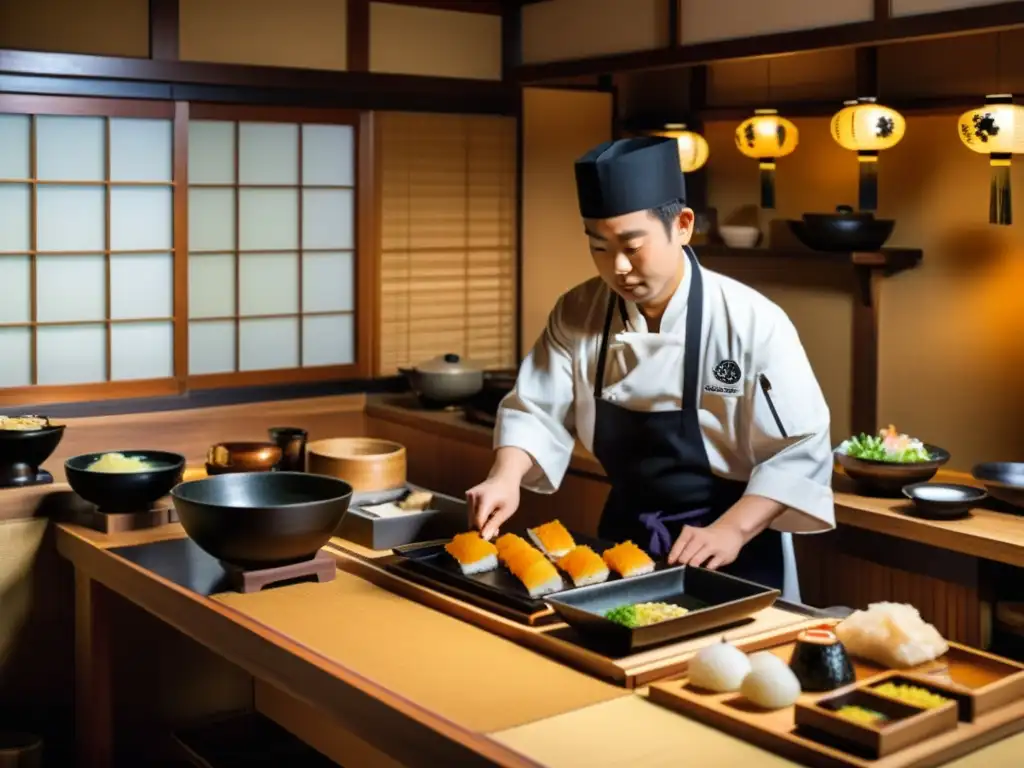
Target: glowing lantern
x,y
867,128
996,130
693,148
766,137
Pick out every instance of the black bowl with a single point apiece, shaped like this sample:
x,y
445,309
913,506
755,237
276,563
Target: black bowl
x,y
262,519
889,477
125,491
943,501
843,231
1004,480
22,453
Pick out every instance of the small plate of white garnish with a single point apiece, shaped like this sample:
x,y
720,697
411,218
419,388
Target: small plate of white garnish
x,y
944,500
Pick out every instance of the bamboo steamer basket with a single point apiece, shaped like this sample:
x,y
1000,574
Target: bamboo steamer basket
x,y
365,463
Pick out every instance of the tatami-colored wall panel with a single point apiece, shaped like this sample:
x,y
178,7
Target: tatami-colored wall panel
x,y
576,29
102,27
954,66
298,33
558,127
814,76
701,21
914,7
426,41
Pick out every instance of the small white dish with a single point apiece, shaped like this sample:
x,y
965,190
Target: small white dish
x,y
739,236
944,500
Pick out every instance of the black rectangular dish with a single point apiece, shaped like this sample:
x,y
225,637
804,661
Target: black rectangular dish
x,y
712,599
435,565
446,517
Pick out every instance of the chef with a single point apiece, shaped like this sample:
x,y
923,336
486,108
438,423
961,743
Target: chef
x,y
692,390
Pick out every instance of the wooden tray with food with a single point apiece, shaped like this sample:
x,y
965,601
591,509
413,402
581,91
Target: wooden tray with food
x,y
565,643
881,688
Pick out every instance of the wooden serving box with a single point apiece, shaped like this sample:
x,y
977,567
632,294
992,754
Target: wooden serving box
x,y
986,703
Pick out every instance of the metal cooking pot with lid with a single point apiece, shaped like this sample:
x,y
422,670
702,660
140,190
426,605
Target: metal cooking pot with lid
x,y
445,379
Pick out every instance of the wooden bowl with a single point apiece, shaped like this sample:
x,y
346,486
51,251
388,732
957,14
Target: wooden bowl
x,y
365,463
225,458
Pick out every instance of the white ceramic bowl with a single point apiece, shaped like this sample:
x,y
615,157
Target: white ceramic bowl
x,y
739,237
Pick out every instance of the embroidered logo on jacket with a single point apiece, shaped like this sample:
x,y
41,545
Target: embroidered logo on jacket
x,y
728,372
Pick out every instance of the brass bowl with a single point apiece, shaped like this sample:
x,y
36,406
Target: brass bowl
x,y
226,458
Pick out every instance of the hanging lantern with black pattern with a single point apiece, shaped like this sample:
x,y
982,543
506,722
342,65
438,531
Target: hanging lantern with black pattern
x,y
693,148
996,130
766,137
867,127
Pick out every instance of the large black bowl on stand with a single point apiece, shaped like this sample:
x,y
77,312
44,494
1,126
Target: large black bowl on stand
x,y
125,491
843,231
1004,480
22,453
257,520
889,477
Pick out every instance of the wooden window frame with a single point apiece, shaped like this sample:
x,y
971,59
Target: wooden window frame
x,y
364,251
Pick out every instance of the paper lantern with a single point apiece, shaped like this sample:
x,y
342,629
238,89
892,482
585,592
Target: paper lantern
x,y
996,130
867,128
766,137
693,148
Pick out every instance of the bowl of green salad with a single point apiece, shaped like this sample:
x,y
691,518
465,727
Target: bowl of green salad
x,y
886,462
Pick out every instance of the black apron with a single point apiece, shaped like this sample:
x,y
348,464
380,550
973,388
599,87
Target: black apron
x,y
658,467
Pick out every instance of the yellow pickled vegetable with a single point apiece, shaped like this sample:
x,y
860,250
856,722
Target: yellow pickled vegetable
x,y
860,715
910,694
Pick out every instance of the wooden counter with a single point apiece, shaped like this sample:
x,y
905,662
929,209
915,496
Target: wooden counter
x,y
357,670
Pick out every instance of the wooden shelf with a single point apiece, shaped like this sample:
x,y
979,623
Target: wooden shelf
x,y
888,260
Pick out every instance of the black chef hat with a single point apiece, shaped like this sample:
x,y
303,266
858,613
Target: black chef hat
x,y
629,175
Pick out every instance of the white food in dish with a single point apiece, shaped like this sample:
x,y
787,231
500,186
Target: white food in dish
x,y
940,493
720,667
891,634
488,563
771,686
765,660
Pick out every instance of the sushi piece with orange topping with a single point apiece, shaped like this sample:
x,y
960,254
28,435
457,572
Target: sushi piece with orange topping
x,y
508,544
536,573
627,559
553,539
584,566
473,553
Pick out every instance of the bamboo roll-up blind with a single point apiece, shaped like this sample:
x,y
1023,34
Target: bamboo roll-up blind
x,y
447,238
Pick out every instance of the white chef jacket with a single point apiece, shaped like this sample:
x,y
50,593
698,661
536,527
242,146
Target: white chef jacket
x,y
552,403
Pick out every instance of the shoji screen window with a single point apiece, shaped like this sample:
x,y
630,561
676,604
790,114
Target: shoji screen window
x,y
272,240
86,247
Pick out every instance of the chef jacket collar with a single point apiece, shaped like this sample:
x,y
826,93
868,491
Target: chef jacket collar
x,y
673,322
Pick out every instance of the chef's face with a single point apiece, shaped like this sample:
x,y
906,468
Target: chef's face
x,y
639,255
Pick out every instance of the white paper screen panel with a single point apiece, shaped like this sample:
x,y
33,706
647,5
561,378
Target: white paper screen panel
x,y
702,21
103,302
282,296
15,143
915,7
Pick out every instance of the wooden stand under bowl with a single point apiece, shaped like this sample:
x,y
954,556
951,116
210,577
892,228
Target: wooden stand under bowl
x,y
365,463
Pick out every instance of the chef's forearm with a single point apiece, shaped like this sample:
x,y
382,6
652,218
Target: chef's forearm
x,y
511,463
751,515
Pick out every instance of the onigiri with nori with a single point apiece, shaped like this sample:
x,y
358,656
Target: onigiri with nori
x,y
720,667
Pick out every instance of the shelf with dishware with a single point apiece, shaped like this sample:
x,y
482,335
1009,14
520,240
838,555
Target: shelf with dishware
x,y
889,261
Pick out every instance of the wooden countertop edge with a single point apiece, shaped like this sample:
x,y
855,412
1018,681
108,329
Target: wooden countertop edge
x,y
368,709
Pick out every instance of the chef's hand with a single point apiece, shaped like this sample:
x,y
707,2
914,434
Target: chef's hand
x,y
710,547
491,503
